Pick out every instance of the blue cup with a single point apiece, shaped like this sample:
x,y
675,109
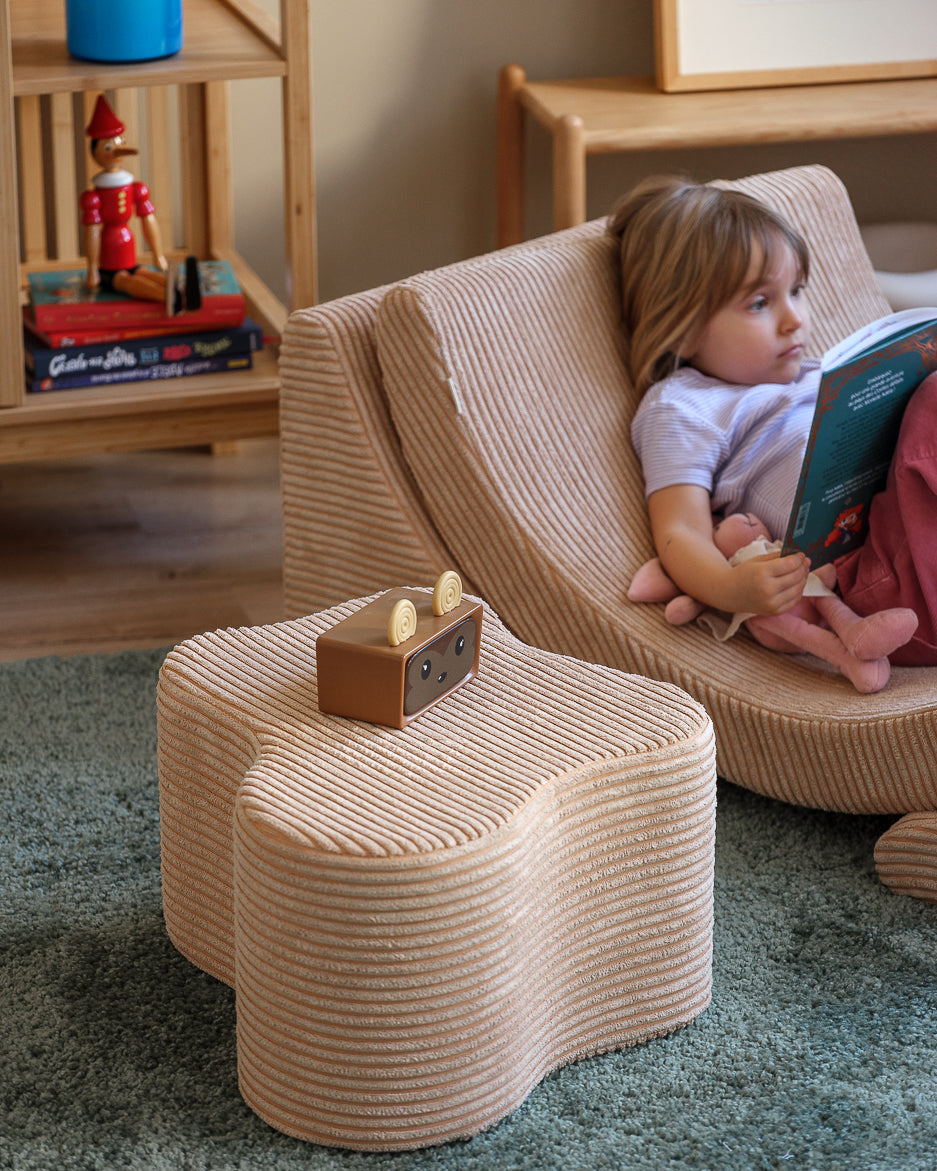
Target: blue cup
x,y
123,30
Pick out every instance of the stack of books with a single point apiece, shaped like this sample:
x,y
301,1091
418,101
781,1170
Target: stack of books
x,y
74,336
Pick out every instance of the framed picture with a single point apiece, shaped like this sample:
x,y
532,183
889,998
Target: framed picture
x,y
730,44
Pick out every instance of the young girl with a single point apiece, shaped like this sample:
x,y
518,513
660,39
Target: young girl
x,y
716,325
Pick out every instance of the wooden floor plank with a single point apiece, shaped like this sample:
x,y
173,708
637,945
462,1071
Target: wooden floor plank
x,y
136,550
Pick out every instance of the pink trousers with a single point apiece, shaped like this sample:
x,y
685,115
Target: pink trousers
x,y
897,563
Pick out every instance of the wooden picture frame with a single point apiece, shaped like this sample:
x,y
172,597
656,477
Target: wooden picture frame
x,y
732,44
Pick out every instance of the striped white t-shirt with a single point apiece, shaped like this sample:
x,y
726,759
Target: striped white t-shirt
x,y
743,444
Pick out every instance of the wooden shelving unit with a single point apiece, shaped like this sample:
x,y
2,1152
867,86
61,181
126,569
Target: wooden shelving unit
x,y
605,115
44,93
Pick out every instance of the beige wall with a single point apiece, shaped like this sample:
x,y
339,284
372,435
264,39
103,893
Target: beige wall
x,y
405,132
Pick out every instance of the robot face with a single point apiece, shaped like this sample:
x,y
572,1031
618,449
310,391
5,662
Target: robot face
x,y
394,657
439,666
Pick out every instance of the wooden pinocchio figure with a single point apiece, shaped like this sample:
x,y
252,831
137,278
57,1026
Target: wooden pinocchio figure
x,y
106,211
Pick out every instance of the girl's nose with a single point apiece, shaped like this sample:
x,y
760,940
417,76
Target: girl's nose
x,y
792,318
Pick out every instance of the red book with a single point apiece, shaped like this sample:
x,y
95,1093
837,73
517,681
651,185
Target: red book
x,y
64,339
61,303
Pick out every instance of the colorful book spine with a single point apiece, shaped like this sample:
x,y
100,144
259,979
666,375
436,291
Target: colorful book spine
x,y
60,301
136,353
160,370
62,339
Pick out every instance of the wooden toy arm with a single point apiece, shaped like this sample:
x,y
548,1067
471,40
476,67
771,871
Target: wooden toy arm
x,y
151,234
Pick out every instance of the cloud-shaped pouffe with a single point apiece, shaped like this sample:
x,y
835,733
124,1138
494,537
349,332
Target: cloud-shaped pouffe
x,y
421,923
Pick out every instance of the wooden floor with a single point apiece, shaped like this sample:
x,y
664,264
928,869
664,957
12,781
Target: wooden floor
x,y
137,550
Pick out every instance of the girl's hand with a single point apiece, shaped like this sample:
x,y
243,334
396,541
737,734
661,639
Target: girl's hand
x,y
681,522
768,585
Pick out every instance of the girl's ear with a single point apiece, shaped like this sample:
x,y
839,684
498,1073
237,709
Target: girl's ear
x,y
687,346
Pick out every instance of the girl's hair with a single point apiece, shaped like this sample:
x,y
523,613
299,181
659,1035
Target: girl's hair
x,y
686,249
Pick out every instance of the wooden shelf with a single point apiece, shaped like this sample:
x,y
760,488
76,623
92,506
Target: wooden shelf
x,y
223,41
220,42
614,114
177,412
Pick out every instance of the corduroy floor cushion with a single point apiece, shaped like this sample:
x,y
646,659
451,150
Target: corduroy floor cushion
x,y
420,924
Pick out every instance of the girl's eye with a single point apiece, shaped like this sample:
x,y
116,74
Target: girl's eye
x,y
758,304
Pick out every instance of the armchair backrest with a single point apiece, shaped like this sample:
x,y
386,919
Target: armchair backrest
x,y
506,384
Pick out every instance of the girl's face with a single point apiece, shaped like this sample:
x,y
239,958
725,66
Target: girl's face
x,y
761,333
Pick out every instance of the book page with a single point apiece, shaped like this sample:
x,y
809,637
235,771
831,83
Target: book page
x,y
875,332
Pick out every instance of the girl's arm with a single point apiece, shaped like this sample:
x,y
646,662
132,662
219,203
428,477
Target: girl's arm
x,y
682,527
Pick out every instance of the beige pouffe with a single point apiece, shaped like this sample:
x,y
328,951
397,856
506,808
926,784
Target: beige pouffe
x,y
906,856
420,924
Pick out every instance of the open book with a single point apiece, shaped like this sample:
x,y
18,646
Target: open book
x,y
865,384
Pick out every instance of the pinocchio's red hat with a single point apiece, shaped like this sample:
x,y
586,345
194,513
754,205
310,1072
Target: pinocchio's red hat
x,y
104,122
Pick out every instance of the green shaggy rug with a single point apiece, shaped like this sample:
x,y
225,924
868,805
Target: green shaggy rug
x,y
818,1051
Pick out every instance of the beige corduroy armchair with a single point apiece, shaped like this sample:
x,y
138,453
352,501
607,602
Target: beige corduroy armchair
x,y
477,417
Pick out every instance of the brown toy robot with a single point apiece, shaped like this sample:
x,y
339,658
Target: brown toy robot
x,y
400,655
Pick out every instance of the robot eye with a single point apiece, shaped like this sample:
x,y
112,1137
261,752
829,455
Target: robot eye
x,y
460,644
426,668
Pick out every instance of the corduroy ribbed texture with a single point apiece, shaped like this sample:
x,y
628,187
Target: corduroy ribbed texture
x,y
341,470
505,373
906,856
421,924
538,498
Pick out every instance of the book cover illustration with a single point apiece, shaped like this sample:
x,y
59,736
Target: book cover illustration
x,y
45,362
865,384
61,301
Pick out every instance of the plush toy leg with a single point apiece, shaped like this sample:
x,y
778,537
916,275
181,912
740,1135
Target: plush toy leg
x,y
906,856
866,675
872,637
651,584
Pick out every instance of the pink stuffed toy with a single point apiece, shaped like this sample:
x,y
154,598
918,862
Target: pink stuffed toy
x,y
821,623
